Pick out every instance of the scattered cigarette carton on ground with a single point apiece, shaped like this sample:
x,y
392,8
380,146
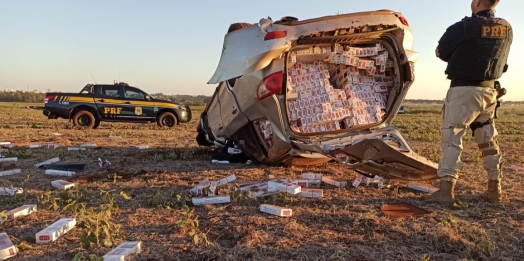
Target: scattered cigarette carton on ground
x,y
124,251
142,147
276,210
20,212
284,186
247,185
92,145
115,137
312,176
4,143
52,146
199,190
55,230
62,184
59,172
311,193
75,148
215,184
211,200
422,187
49,161
334,182
8,159
35,146
7,249
518,169
365,180
10,172
10,191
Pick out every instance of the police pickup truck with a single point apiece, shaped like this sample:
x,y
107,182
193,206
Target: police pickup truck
x,y
118,102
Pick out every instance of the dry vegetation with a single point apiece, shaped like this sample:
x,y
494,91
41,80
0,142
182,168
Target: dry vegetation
x,y
344,225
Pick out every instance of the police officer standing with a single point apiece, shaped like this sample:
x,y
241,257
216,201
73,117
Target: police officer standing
x,y
476,50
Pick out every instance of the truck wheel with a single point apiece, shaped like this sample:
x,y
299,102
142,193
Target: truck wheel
x,y
84,119
167,119
97,123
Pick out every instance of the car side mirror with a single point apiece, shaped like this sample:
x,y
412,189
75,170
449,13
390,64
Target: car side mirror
x,y
148,97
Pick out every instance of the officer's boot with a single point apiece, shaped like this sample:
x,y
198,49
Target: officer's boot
x,y
444,196
494,193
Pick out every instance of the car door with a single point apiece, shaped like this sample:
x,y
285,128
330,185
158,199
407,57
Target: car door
x,y
136,105
108,99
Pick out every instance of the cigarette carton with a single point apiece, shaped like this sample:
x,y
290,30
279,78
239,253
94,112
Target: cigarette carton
x,y
20,212
276,210
518,169
7,249
422,187
284,186
8,159
334,182
11,191
124,251
246,186
215,184
211,200
59,172
62,184
35,146
52,146
311,193
303,183
260,193
75,148
10,172
55,230
4,143
115,137
200,189
312,176
142,147
88,145
50,161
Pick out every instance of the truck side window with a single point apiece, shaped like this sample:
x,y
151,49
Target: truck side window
x,y
134,93
111,91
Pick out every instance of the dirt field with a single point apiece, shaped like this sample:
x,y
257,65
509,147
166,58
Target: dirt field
x,y
346,224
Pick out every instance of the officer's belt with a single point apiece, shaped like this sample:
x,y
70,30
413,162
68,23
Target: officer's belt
x,y
469,83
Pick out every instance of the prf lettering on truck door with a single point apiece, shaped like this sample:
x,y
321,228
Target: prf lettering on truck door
x,y
112,110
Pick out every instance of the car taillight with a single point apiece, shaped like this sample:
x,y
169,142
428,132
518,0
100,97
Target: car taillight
x,y
275,35
48,97
270,85
403,20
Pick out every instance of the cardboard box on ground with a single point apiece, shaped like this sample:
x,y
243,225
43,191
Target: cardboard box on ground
x,y
338,87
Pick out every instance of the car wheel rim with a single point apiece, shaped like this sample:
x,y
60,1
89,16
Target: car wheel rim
x,y
168,121
84,120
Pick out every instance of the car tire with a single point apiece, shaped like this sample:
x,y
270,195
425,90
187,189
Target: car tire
x,y
237,26
167,119
84,119
302,162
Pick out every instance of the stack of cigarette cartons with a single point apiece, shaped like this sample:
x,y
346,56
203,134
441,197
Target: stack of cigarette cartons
x,y
20,212
314,179
367,181
62,184
283,186
331,88
422,187
55,230
11,191
276,210
214,185
124,252
334,182
201,189
10,172
7,249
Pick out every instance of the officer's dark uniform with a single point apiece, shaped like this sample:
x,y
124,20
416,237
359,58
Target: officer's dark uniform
x,y
476,50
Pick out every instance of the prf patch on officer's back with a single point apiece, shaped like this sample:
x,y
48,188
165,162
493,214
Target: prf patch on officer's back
x,y
494,31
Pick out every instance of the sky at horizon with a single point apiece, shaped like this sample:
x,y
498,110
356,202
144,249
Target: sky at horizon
x,y
174,47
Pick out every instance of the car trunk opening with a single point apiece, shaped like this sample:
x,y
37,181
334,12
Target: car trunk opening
x,y
341,83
